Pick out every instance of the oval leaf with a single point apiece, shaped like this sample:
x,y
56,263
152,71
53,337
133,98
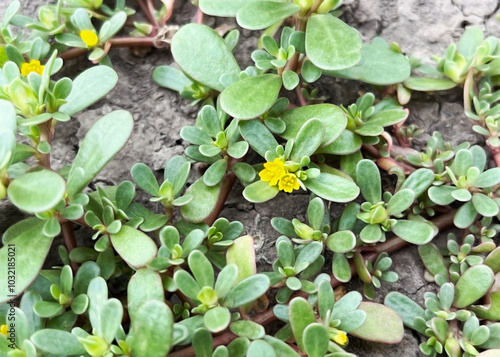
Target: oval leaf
x,y
251,97
261,14
135,247
472,285
331,44
195,41
382,324
37,191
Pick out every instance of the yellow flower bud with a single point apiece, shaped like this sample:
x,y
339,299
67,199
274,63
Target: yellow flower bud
x,y
89,37
4,330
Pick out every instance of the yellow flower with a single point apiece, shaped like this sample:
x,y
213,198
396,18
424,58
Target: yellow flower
x,y
288,183
339,337
89,37
4,330
273,172
33,66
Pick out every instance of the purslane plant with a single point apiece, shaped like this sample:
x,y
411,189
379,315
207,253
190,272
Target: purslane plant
x,y
172,277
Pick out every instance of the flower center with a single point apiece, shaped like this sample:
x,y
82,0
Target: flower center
x,y
32,66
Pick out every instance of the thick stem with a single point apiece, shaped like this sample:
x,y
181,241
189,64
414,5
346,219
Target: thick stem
x,y
115,42
145,8
69,241
199,16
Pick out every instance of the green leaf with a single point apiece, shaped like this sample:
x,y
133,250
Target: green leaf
x,y
290,78
201,207
217,319
145,285
247,290
152,330
387,117
171,78
315,340
260,348
472,285
308,139
195,41
187,284
470,40
347,143
201,268
31,247
301,315
57,342
423,84
202,343
215,173
372,233
484,205
247,329
332,117
111,318
261,14
401,201
341,268
316,212
310,73
37,191
331,44
368,179
419,181
244,171
238,149
406,308
441,194
433,260
493,260
222,8
341,242
260,191
47,308
103,141
414,232
145,179
465,216
135,247
90,86
382,324
242,254
379,65
488,178
258,136
251,96
281,348
333,188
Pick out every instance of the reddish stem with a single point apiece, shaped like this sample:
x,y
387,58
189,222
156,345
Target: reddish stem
x,y
145,8
199,16
114,42
69,241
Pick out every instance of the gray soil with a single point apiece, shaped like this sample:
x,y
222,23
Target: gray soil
x,y
420,27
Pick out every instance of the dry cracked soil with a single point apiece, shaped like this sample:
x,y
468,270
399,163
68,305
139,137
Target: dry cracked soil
x,y
421,27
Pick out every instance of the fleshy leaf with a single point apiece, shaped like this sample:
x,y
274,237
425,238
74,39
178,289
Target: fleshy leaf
x,y
379,65
472,285
332,117
31,247
406,308
261,14
251,96
414,232
195,41
152,330
90,86
331,44
205,199
106,138
135,247
37,191
382,324
333,187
